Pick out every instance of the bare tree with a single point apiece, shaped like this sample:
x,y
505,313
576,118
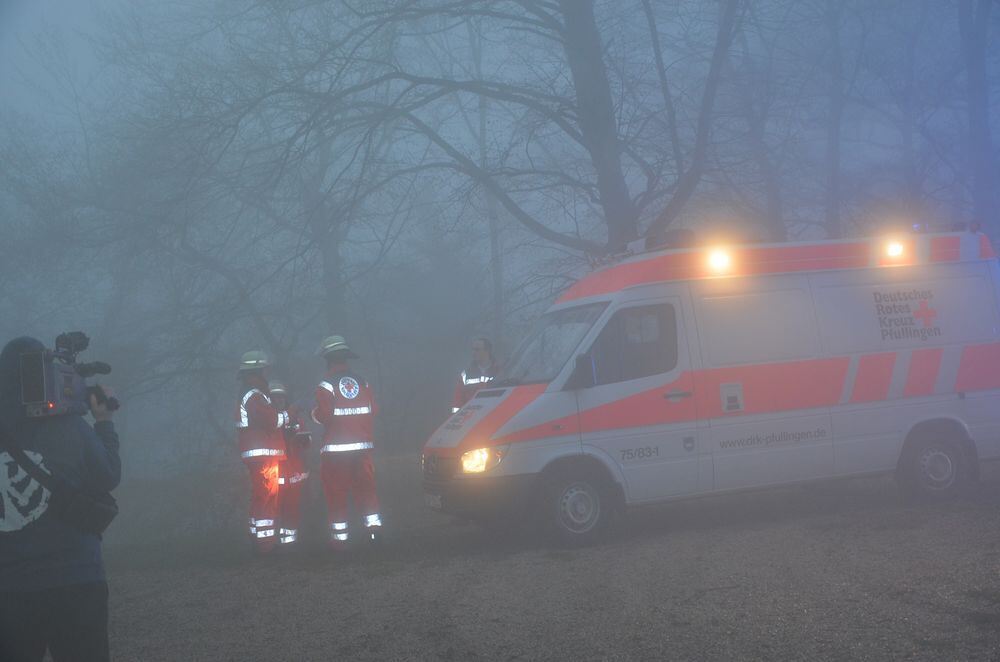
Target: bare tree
x,y
974,25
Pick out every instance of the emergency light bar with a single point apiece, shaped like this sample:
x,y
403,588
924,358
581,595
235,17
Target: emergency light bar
x,y
889,250
720,260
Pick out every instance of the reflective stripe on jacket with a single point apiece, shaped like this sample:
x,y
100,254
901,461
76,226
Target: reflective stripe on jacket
x,y
260,425
345,407
471,380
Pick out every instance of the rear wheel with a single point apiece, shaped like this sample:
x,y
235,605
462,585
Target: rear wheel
x,y
578,506
935,469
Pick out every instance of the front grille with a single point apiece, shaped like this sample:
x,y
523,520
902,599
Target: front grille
x,y
438,468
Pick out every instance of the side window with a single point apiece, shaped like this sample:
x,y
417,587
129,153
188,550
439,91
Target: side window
x,y
636,342
754,327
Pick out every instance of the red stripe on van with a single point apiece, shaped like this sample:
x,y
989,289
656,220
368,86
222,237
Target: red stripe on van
x,y
554,428
774,387
643,409
779,259
511,405
874,377
649,407
907,257
985,248
979,368
945,249
924,367
767,388
745,260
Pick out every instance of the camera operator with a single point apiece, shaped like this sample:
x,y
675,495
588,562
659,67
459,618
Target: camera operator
x,y
53,592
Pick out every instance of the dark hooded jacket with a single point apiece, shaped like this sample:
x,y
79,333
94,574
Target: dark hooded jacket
x,y
37,549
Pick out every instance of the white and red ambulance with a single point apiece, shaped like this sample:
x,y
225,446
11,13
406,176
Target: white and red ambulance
x,y
685,372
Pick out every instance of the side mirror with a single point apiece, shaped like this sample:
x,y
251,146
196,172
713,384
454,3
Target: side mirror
x,y
583,373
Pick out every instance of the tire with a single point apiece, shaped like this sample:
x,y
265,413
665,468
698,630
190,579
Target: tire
x,y
936,470
579,507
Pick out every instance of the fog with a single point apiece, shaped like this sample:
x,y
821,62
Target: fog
x,y
186,181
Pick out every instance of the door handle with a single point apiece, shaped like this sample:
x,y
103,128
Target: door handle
x,y
677,395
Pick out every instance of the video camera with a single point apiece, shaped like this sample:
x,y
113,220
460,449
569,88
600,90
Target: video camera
x,y
54,384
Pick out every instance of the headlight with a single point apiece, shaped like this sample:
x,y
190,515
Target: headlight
x,y
482,459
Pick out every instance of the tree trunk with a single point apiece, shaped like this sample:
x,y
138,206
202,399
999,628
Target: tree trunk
x,y
492,206
974,17
688,181
756,113
327,234
334,305
496,248
835,120
585,57
774,224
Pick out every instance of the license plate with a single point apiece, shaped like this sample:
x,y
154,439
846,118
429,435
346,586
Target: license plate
x,y
433,501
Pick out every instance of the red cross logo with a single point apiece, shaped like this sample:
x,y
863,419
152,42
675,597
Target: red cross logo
x,y
349,387
925,314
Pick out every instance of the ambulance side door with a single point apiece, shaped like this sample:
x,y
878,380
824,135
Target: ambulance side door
x,y
765,385
640,412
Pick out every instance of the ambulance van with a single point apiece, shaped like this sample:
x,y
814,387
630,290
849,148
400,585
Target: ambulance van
x,y
697,371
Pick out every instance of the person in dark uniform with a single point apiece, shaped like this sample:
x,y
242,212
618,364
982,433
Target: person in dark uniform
x,y
53,593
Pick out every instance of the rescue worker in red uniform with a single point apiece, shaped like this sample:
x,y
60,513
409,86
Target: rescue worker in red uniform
x,y
292,469
345,407
481,371
260,427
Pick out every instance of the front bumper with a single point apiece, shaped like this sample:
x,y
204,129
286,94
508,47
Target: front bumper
x,y
479,495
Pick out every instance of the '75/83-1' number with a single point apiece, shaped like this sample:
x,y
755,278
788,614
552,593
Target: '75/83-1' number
x,y
640,453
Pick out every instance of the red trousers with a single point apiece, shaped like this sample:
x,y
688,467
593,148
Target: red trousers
x,y
293,476
350,474
264,474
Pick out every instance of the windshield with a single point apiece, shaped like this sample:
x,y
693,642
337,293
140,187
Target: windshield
x,y
550,344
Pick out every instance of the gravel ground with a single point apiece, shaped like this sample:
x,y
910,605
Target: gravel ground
x,y
844,570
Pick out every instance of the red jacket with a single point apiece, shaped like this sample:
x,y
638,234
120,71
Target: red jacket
x,y
471,380
345,407
296,435
259,423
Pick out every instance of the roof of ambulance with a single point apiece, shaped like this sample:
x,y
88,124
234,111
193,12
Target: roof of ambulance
x,y
685,264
